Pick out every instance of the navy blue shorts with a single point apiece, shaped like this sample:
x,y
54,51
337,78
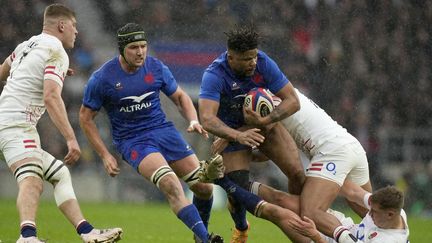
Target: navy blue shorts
x,y
234,146
167,141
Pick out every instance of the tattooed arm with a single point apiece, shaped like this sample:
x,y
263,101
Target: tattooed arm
x,y
208,115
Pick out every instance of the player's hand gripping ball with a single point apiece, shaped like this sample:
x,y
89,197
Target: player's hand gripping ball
x,y
259,100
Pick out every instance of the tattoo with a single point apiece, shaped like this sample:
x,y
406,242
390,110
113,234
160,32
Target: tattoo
x,y
275,115
219,128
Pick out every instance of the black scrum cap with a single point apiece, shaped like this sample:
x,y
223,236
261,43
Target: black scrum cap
x,y
129,33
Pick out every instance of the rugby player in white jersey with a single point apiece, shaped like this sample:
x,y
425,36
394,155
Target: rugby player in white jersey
x,y
334,154
35,73
385,221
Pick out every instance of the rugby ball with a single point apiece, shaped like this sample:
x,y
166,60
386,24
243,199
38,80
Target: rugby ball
x,y
259,100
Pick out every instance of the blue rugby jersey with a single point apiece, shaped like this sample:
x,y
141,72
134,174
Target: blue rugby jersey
x,y
220,84
131,100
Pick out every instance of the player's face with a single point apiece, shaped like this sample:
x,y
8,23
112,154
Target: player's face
x,y
380,216
68,26
135,53
243,64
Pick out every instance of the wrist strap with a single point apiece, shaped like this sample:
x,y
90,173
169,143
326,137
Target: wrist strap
x,y
366,200
193,123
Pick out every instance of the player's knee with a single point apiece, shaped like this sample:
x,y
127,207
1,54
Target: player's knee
x,y
56,173
59,176
32,168
240,177
192,177
202,190
161,173
171,188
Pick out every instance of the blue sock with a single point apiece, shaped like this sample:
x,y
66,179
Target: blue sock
x,y
190,217
238,212
28,230
84,227
204,207
244,197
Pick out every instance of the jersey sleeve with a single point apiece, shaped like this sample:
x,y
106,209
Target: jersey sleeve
x,y
211,87
57,65
275,77
93,94
170,84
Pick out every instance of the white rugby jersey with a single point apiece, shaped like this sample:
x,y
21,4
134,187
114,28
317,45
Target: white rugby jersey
x,y
313,129
367,231
40,58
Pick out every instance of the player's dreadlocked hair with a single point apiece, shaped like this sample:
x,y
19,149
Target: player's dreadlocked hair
x,y
243,38
130,32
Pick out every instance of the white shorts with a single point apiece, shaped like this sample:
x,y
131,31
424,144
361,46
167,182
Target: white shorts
x,y
347,161
17,143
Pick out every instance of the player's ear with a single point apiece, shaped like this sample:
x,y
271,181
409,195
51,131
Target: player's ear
x,y
61,26
229,55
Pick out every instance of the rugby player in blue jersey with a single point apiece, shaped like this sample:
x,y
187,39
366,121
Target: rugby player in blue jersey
x,y
128,88
224,86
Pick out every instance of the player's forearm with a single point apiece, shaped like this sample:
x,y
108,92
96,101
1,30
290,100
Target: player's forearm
x,y
93,136
187,108
286,108
353,193
217,127
4,71
57,112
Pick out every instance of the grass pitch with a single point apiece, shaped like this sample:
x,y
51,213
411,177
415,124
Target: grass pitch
x,y
152,223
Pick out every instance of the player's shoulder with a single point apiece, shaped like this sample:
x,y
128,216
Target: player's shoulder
x,y
106,70
218,65
153,61
48,41
388,235
154,65
263,56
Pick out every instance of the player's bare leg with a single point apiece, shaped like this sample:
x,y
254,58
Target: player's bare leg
x,y
212,170
359,210
277,197
29,193
155,168
316,198
28,174
187,165
72,211
283,218
187,169
282,150
169,185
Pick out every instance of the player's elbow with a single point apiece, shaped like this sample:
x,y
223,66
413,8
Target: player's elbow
x,y
50,99
296,104
205,120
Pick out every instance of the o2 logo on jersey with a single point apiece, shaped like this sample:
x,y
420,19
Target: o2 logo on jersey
x,y
331,167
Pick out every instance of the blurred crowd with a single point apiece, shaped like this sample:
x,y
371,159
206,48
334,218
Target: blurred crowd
x,y
366,62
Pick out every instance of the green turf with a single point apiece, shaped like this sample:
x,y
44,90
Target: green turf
x,y
151,223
